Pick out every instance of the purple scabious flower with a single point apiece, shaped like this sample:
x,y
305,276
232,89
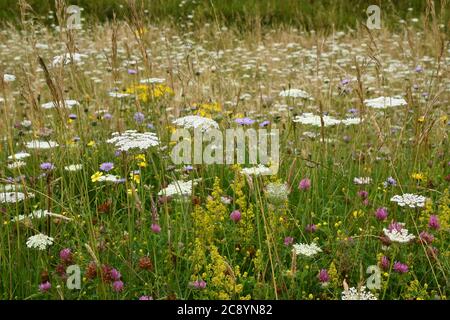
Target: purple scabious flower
x,y
390,182
433,223
235,216
304,184
381,214
139,117
47,166
400,267
323,276
115,274
107,116
288,241
118,286
188,168
45,286
352,111
132,71
264,123
65,255
244,121
72,116
106,166
384,263
418,69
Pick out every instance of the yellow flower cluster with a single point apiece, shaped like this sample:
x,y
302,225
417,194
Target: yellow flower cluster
x,y
245,227
208,109
149,92
444,210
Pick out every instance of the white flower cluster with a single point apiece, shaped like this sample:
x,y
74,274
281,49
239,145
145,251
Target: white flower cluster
x,y
68,58
257,171
314,120
110,178
362,180
385,102
66,103
178,188
73,167
307,250
295,93
118,95
152,80
355,294
277,192
16,164
39,241
401,236
13,197
196,122
37,214
9,77
37,144
19,156
131,139
409,199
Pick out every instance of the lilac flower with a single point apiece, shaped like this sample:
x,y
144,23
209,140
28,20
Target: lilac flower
x,y
65,255
304,184
311,228
132,71
198,284
323,276
188,168
345,82
118,286
389,182
434,222
381,214
264,123
400,267
115,274
107,116
244,121
47,166
156,228
139,117
106,166
384,263
352,111
235,216
72,116
418,69
288,241
45,286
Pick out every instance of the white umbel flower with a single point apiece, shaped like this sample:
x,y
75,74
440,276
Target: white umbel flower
x,y
196,122
153,80
295,93
131,139
314,120
13,197
409,200
385,102
37,144
19,156
398,234
355,294
110,178
307,250
362,180
9,77
178,188
67,58
66,103
17,164
257,171
39,241
73,167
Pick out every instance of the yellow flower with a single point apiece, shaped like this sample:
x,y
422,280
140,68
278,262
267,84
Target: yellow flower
x,y
421,119
418,176
91,143
96,176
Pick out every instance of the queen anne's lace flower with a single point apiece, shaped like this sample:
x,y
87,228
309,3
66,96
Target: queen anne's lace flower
x,y
409,199
67,103
110,178
295,93
19,156
178,188
314,120
259,170
355,294
13,197
36,144
362,180
396,233
39,241
307,250
131,139
196,122
385,102
73,167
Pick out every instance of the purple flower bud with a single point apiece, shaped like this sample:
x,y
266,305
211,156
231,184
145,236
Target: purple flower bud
x,y
400,267
426,237
381,214
72,116
288,241
304,184
139,117
115,274
323,276
45,286
384,263
311,228
434,222
47,166
107,116
156,228
235,216
118,286
145,298
65,255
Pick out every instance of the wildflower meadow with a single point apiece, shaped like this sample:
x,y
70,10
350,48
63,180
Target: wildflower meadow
x,y
210,156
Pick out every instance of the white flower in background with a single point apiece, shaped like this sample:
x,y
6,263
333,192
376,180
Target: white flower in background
x,y
73,167
17,164
196,122
178,188
118,95
259,170
307,250
19,156
13,197
9,77
131,139
355,294
397,233
26,123
295,93
39,241
110,178
9,188
37,144
277,192
385,102
362,180
153,80
409,199
314,120
68,58
67,103
351,121
310,134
